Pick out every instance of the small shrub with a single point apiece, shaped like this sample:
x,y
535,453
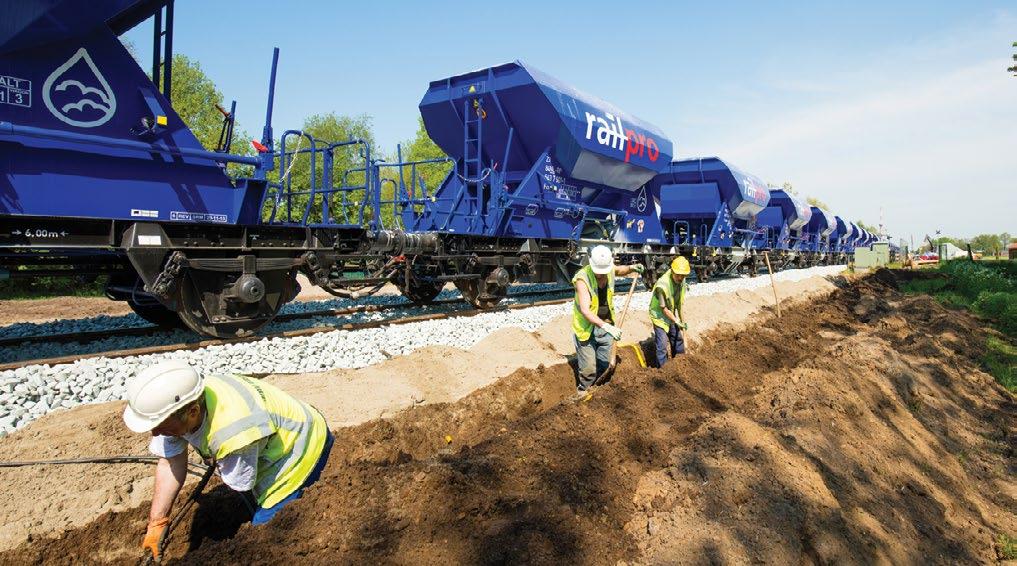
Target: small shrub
x,y
1001,307
973,278
927,286
953,300
989,288
1007,547
1001,360
43,287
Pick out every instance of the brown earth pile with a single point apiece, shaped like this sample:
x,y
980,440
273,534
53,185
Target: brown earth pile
x,y
46,501
858,429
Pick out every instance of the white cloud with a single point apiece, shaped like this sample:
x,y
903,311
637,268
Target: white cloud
x,y
935,150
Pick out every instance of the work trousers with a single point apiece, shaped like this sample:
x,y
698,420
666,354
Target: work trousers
x,y
593,356
673,338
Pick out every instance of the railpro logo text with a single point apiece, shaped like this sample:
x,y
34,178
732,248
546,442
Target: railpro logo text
x,y
611,132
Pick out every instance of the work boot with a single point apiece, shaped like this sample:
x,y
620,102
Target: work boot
x,y
582,393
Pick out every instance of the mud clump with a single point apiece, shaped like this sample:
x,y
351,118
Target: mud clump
x,y
845,431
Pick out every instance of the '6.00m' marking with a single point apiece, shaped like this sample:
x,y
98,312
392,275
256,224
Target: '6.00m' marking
x,y
39,233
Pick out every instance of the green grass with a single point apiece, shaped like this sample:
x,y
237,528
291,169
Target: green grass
x,y
46,287
989,289
1007,547
1001,359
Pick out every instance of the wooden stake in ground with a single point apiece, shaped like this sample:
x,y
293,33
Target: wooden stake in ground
x,y
776,299
614,345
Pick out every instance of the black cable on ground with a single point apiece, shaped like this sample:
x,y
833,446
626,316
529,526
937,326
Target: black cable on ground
x,y
192,468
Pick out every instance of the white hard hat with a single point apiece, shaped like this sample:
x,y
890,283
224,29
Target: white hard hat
x,y
159,391
601,260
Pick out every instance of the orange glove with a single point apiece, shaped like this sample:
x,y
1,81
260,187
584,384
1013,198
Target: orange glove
x,y
154,534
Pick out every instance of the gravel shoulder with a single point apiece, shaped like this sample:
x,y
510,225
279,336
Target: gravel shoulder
x,y
348,397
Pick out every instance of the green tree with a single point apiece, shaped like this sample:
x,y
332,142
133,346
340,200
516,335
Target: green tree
x,y
422,148
817,203
416,179
786,186
959,242
194,97
986,243
348,178
867,227
1014,68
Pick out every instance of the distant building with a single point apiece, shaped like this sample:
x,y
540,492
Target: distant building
x,y
1012,249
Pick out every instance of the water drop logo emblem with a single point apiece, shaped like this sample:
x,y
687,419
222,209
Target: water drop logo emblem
x,y
77,93
639,201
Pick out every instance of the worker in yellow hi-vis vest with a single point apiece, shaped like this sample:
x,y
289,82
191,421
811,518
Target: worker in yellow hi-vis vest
x,y
666,310
261,439
593,314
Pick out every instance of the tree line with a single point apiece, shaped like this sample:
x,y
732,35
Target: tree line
x,y
197,100
986,244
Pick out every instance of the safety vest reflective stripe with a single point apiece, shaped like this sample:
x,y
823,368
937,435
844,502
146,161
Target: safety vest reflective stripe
x,y
256,418
666,285
580,325
243,411
299,448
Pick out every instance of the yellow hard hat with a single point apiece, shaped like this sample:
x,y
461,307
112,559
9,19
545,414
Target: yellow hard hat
x,y
680,266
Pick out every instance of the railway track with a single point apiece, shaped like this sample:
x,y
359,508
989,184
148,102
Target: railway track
x,y
196,344
149,329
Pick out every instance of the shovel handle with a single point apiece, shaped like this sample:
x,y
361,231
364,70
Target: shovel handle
x,y
614,344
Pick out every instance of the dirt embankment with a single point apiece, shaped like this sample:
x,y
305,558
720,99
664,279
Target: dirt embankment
x,y
857,429
46,501
441,374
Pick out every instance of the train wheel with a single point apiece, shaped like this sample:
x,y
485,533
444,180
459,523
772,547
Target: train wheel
x,y
157,314
421,292
223,305
128,287
485,293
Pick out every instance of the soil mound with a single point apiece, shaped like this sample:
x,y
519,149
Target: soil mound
x,y
52,498
858,429
429,375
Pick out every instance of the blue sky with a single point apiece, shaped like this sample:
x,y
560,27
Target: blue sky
x,y
903,106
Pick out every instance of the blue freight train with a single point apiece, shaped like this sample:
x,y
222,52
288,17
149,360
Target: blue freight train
x,y
100,176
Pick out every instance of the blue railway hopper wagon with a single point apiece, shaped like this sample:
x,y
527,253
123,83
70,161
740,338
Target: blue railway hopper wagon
x,y
850,237
796,215
864,238
542,172
817,236
773,232
100,176
708,209
838,241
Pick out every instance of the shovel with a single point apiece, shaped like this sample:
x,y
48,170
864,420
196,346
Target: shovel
x,y
614,345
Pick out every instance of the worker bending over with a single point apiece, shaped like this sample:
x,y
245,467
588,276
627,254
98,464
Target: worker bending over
x,y
666,310
593,314
260,439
